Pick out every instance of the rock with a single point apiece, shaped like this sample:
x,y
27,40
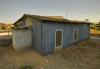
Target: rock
x,y
46,57
46,60
11,67
6,55
49,56
41,67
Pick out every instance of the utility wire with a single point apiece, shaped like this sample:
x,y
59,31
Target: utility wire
x,y
80,5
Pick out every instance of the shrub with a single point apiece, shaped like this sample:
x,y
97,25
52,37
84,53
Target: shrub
x,y
99,35
26,67
4,45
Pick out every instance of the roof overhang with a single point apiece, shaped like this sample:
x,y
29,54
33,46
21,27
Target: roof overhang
x,y
44,18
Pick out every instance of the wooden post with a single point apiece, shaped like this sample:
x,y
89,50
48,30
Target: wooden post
x,y
8,31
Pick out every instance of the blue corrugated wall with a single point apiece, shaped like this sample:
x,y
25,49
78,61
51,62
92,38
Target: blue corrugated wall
x,y
48,35
43,34
36,40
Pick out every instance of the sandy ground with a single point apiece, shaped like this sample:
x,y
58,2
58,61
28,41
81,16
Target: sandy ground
x,y
95,37
5,33
84,55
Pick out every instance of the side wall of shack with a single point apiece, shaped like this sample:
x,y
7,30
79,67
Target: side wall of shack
x,y
48,34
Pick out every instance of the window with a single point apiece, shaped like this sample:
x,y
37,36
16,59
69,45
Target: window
x,y
58,38
75,35
86,32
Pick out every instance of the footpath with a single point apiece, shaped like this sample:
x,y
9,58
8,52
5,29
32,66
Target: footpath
x,y
95,37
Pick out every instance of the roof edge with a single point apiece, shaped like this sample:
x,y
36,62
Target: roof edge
x,y
24,15
48,19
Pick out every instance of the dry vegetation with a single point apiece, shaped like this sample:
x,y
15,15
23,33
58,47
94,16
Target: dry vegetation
x,y
85,55
5,27
95,29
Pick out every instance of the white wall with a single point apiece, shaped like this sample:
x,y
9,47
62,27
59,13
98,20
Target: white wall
x,y
28,22
22,39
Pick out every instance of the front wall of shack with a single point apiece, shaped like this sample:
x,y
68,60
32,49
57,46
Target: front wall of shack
x,y
36,32
21,23
22,39
48,34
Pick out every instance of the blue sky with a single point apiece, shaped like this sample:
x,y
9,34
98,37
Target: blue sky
x,y
12,10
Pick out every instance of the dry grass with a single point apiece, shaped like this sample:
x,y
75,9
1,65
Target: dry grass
x,y
94,31
26,67
85,55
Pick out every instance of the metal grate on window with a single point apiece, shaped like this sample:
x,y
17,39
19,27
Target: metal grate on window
x,y
75,34
58,38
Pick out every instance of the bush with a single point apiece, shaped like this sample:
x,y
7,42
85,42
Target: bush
x,y
99,35
26,67
4,45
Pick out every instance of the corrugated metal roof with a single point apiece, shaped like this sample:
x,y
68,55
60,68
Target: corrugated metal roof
x,y
48,18
57,17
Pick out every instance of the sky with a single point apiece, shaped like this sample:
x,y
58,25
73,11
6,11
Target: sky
x,y
12,10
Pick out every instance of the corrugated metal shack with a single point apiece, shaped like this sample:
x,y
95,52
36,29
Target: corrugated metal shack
x,y
51,33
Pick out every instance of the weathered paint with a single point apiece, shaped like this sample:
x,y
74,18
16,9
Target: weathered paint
x,y
37,36
28,22
22,24
48,35
22,39
43,35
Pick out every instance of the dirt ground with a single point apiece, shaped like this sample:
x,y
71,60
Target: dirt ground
x,y
5,33
5,40
84,55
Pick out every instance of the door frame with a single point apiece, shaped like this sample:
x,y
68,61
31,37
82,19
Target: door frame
x,y
61,39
